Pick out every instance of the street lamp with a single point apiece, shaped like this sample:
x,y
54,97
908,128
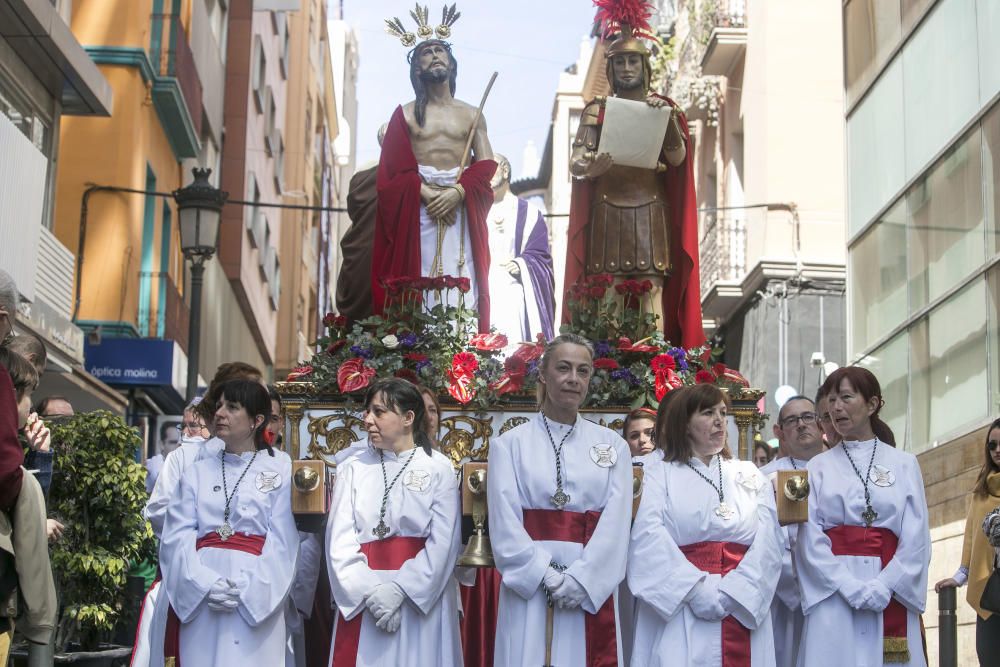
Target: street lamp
x,y
199,208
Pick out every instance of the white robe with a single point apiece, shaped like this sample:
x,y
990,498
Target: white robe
x,y
522,475
168,476
786,609
678,509
255,632
451,245
424,502
153,466
835,634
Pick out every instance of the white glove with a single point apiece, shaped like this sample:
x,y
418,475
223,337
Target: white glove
x,y
552,579
877,596
223,596
569,594
390,622
384,599
705,600
854,592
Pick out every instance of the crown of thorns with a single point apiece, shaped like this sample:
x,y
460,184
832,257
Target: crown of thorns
x,y
424,32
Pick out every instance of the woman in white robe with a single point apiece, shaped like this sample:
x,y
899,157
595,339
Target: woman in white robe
x,y
705,551
544,517
229,545
392,541
862,558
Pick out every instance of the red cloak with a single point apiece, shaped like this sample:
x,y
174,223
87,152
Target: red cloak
x,y
681,291
396,247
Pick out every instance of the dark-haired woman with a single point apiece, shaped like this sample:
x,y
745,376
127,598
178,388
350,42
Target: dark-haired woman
x,y
977,553
862,557
560,494
705,551
229,544
392,541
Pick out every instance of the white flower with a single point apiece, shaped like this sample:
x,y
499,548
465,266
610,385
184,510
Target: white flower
x,y
390,342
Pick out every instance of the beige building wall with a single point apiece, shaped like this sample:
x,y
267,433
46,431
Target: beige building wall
x,y
308,83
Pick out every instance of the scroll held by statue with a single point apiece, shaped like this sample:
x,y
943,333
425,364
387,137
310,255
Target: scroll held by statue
x,y
631,132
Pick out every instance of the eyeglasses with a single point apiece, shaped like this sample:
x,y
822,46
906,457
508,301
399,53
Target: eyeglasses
x,y
993,445
806,419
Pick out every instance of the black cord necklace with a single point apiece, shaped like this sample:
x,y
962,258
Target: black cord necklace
x,y
560,498
869,515
723,510
381,530
225,531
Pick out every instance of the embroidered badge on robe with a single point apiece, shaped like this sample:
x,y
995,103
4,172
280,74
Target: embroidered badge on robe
x,y
268,481
749,482
417,480
604,455
882,476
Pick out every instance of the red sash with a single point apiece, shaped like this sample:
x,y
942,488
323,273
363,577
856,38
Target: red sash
x,y
879,543
387,554
251,544
722,558
578,527
480,603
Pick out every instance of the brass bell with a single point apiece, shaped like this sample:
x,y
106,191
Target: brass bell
x,y
305,480
478,552
797,488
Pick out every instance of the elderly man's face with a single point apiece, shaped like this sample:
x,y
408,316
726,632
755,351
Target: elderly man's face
x,y
435,63
58,407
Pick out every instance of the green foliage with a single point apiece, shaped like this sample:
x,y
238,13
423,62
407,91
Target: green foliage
x,y
99,494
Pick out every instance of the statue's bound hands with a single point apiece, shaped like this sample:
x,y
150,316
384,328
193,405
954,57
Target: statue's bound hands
x,y
512,268
443,203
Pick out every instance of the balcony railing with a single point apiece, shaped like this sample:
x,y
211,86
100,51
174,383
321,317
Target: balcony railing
x,y
162,311
171,56
723,248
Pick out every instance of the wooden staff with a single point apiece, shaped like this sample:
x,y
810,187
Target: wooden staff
x,y
437,266
550,613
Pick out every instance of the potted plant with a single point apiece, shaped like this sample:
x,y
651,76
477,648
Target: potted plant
x,y
98,493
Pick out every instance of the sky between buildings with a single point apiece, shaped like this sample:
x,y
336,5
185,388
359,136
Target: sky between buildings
x,y
528,42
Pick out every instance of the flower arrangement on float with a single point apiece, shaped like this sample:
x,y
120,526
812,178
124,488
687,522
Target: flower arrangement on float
x,y
427,335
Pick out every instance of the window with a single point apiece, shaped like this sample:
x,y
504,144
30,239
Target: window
x,y
871,30
259,73
283,32
946,228
949,375
890,366
991,174
270,117
279,161
255,217
878,268
993,328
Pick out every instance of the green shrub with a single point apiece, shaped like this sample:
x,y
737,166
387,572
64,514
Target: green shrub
x,y
98,492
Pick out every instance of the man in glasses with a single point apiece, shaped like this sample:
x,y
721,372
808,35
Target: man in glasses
x,y
800,438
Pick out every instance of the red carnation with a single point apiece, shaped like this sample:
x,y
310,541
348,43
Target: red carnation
x,y
336,346
451,282
645,287
601,280
719,369
465,363
415,357
464,285
662,363
597,292
353,375
340,321
606,364
704,377
329,319
299,372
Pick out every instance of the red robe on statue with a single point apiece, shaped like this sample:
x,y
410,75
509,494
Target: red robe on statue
x,y
396,248
681,291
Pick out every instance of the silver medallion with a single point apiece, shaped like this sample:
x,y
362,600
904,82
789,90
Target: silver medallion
x,y
560,499
381,530
882,476
225,531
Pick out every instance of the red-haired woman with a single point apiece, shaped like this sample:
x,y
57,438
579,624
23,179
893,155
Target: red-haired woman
x,y
705,551
862,557
977,552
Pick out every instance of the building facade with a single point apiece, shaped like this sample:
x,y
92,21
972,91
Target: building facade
x,y
45,76
922,82
164,60
310,123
